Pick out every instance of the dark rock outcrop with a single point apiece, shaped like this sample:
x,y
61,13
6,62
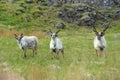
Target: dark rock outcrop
x,y
116,14
11,1
29,1
104,4
84,15
60,25
81,14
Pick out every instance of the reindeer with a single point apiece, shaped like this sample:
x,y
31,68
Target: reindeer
x,y
99,40
55,43
26,42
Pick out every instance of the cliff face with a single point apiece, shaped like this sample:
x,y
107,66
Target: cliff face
x,y
104,4
85,15
80,12
95,3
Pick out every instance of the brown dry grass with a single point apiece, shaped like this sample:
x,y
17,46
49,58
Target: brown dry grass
x,y
6,74
36,73
9,33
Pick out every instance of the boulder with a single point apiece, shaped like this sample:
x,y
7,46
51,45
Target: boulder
x,y
116,14
11,1
29,1
81,14
60,25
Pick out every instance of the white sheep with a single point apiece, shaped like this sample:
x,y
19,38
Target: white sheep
x,y
100,41
27,42
55,44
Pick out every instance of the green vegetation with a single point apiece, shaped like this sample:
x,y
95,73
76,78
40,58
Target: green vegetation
x,y
27,16
80,61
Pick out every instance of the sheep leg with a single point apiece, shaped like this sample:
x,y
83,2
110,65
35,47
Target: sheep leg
x,y
57,54
104,53
33,52
100,53
36,47
62,51
51,52
24,49
96,52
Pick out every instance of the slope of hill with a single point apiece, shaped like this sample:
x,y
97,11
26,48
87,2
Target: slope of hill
x,y
80,61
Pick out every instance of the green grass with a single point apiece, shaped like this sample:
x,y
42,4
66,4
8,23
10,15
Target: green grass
x,y
79,63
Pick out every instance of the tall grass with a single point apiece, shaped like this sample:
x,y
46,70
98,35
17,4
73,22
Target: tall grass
x,y
80,61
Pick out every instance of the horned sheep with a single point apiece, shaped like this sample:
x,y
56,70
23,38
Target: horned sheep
x,y
27,42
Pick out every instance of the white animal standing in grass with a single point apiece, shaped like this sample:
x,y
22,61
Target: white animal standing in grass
x,y
55,44
27,42
100,41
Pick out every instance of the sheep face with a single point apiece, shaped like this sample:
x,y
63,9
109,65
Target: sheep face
x,y
99,40
54,35
55,43
100,35
18,37
27,42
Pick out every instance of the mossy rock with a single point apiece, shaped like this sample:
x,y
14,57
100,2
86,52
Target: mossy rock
x,y
29,1
57,5
36,12
78,4
3,2
43,8
85,17
20,10
67,6
25,17
86,13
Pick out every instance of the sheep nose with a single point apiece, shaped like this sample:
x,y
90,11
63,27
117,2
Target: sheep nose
x,y
99,37
53,36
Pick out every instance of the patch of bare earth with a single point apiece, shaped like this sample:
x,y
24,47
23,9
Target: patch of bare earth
x,y
7,74
13,76
9,33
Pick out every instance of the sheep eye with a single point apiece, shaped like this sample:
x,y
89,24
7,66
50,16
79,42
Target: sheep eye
x,y
102,34
16,38
56,35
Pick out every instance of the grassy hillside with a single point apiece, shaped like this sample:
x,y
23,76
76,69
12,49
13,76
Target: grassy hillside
x,y
21,15
80,61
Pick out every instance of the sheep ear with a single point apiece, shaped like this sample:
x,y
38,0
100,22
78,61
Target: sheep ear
x,y
15,35
103,33
96,33
21,34
49,32
57,31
